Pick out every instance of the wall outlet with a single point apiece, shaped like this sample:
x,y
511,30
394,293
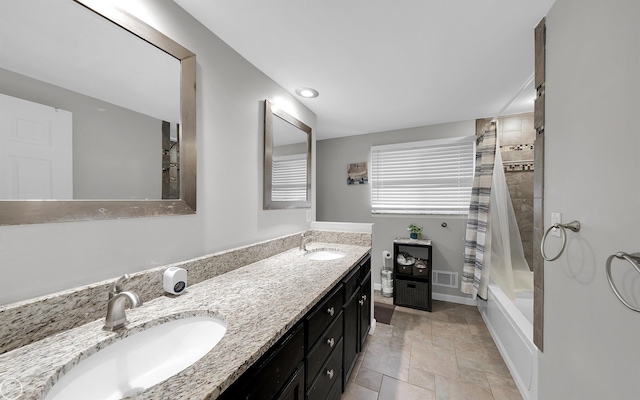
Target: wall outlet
x,y
556,218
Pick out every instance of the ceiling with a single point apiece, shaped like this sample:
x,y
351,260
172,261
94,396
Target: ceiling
x,y
386,64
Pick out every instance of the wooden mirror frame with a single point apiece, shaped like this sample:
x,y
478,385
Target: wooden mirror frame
x,y
19,212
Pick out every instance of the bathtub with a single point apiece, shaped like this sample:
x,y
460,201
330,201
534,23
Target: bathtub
x,y
511,326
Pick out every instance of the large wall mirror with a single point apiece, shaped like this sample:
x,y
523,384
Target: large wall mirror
x,y
97,115
287,160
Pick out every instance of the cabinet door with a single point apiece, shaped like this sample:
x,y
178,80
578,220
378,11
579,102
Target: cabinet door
x,y
351,334
294,390
365,309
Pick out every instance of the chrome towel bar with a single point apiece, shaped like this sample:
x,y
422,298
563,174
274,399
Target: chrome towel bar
x,y
634,260
574,226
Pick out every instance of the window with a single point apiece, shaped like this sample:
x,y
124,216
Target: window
x,y
427,177
289,178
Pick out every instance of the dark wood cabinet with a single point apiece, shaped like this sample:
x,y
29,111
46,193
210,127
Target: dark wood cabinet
x,y
294,390
310,361
269,376
357,314
365,310
412,283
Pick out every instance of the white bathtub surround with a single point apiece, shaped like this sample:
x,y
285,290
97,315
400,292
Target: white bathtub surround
x,y
513,333
259,303
35,319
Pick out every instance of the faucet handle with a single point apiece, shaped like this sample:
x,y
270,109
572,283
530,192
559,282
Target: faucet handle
x,y
116,287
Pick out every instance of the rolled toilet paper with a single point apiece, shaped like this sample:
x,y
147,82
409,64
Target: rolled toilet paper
x,y
386,255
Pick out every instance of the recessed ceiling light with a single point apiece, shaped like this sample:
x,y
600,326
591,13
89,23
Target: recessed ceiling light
x,y
307,92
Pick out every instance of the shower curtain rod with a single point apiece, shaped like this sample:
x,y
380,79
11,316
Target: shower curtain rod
x,y
526,83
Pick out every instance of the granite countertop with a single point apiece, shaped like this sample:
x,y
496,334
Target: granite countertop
x,y
260,302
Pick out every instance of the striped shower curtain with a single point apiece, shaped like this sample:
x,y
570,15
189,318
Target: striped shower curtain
x,y
474,282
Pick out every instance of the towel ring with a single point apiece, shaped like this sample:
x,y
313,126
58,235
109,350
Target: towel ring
x,y
634,260
574,226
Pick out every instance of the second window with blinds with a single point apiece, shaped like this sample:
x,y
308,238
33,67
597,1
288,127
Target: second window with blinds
x,y
426,177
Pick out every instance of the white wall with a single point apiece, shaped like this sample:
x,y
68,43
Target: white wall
x,y
591,348
337,201
44,258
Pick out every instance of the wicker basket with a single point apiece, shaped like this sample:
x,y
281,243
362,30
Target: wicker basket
x,y
412,294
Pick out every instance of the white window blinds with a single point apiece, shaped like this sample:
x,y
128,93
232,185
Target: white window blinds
x,y
289,177
427,177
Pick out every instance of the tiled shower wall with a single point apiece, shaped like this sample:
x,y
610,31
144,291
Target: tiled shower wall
x,y
516,134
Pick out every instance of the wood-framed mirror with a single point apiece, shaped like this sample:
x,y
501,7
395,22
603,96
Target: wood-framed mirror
x,y
122,74
287,160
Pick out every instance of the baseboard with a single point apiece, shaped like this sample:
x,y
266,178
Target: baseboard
x,y
467,301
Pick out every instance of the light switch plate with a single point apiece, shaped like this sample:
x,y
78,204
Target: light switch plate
x,y
556,218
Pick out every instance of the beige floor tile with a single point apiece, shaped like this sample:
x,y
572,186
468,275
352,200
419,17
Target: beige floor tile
x,y
450,329
443,343
479,378
416,330
503,388
478,327
387,360
450,389
357,392
393,389
430,358
488,367
369,379
422,378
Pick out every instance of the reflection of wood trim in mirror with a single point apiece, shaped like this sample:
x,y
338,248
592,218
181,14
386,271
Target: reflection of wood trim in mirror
x,y
301,197
16,212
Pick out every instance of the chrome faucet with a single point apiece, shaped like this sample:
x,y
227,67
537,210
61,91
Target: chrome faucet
x,y
304,240
116,316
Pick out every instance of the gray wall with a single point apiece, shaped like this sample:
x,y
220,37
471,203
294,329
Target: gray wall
x,y
44,258
591,346
117,153
337,201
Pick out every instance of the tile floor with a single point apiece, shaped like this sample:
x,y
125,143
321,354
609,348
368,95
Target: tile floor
x,y
447,354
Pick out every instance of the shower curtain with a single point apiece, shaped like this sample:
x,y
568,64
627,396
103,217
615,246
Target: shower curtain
x,y
474,281
493,246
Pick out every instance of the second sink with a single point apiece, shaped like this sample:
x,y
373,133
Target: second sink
x,y
323,254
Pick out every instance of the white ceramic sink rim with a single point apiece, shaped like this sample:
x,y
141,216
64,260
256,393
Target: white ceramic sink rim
x,y
141,360
323,254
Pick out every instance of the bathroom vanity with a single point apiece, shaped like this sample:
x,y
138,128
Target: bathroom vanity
x,y
280,336
314,359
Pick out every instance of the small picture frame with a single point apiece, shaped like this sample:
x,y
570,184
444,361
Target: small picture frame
x,y
357,173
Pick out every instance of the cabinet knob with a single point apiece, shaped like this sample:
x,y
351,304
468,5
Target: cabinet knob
x,y
361,302
330,311
364,297
330,373
331,342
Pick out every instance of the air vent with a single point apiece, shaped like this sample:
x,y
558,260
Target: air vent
x,y
444,278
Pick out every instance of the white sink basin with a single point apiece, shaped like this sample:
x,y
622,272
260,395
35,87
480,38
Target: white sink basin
x,y
324,254
141,360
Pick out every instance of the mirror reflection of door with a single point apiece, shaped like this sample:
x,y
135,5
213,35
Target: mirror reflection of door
x,y
35,151
289,163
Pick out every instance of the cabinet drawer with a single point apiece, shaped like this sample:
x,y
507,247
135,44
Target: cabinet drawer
x,y
327,342
330,372
351,283
405,269
323,315
413,294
